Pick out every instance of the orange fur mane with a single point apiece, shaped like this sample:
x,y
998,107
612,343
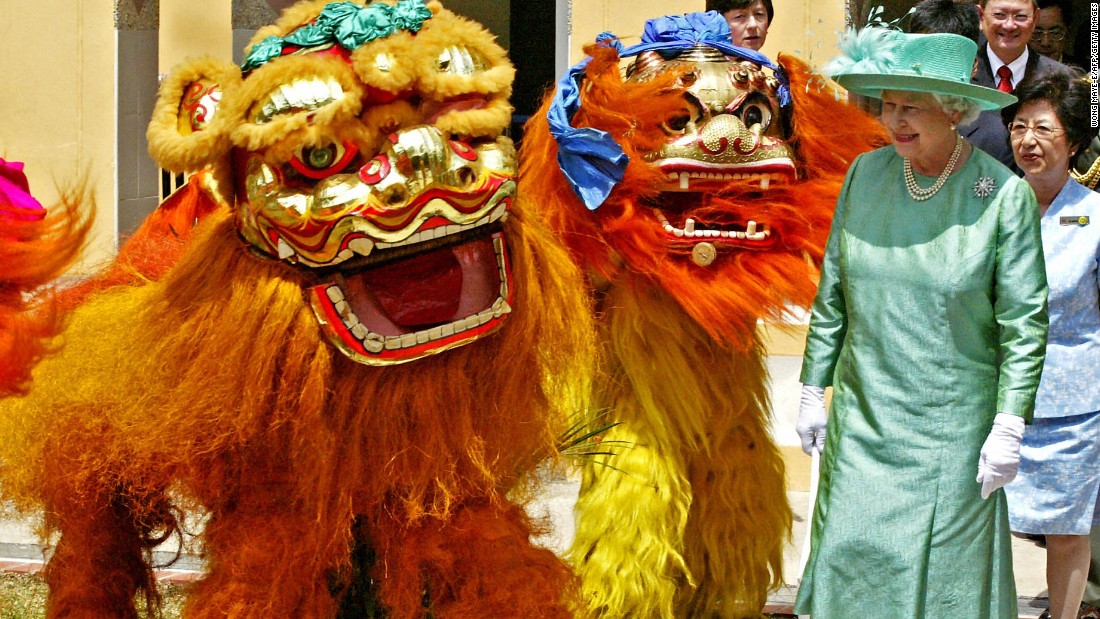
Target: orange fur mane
x,y
155,246
290,419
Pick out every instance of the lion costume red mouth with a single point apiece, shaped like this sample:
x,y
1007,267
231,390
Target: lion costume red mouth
x,y
418,305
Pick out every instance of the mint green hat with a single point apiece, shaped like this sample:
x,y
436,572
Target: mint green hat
x,y
877,59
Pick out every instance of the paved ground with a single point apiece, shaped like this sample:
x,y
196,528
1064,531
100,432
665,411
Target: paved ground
x,y
20,551
1028,559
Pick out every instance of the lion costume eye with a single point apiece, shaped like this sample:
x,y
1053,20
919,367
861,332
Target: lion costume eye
x,y
678,123
324,160
756,113
692,114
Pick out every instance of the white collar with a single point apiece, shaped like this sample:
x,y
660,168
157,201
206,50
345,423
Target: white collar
x,y
1017,66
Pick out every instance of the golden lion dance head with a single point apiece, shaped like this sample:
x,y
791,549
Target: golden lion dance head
x,y
351,156
733,127
709,171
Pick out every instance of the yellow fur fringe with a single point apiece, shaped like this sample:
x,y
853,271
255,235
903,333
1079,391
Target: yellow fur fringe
x,y
693,521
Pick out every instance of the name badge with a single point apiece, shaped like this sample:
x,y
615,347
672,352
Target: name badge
x,y
1074,220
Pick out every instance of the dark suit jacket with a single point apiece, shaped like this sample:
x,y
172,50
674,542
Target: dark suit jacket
x,y
988,132
1070,60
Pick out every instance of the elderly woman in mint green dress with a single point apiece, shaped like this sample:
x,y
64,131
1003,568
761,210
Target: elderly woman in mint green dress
x,y
930,324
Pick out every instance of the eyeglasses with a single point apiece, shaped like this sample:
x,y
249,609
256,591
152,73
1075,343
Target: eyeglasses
x,y
1019,18
1055,34
1017,129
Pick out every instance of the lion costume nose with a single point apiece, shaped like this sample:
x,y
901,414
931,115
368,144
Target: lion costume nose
x,y
724,131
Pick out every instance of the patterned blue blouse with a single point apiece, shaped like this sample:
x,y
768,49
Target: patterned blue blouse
x,y
1071,246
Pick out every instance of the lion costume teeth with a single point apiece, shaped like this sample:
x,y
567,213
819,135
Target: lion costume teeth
x,y
352,368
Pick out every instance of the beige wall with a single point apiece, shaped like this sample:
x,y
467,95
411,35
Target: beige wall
x,y
624,18
191,28
57,113
803,28
806,29
785,344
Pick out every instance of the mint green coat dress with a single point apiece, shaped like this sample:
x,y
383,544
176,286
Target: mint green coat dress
x,y
930,319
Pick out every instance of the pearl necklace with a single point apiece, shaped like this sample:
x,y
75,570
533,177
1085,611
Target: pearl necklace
x,y
921,194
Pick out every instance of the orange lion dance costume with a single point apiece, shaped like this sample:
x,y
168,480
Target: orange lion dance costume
x,y
367,344
698,197
34,249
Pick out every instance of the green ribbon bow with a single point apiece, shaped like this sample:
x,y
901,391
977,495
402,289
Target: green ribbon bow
x,y
346,23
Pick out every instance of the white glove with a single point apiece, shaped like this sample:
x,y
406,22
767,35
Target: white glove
x,y
811,419
1000,459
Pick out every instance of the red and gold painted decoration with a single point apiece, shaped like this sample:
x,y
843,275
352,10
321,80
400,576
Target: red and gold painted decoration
x,y
732,130
198,106
732,127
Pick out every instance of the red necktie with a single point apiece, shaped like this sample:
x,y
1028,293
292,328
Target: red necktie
x,y
1004,79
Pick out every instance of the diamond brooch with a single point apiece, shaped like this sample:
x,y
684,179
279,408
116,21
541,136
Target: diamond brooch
x,y
984,186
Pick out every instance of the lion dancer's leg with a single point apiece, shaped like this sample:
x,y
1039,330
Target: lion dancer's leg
x,y
631,514
98,565
479,564
740,518
738,524
267,557
107,521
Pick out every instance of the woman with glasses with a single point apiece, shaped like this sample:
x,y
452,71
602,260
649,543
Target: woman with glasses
x,y
1055,492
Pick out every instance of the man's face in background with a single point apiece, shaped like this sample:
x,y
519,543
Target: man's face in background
x,y
1007,25
1049,37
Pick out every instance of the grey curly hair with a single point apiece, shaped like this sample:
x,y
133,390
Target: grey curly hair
x,y
954,103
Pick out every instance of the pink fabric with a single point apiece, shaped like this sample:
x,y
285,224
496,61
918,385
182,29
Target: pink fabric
x,y
16,201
